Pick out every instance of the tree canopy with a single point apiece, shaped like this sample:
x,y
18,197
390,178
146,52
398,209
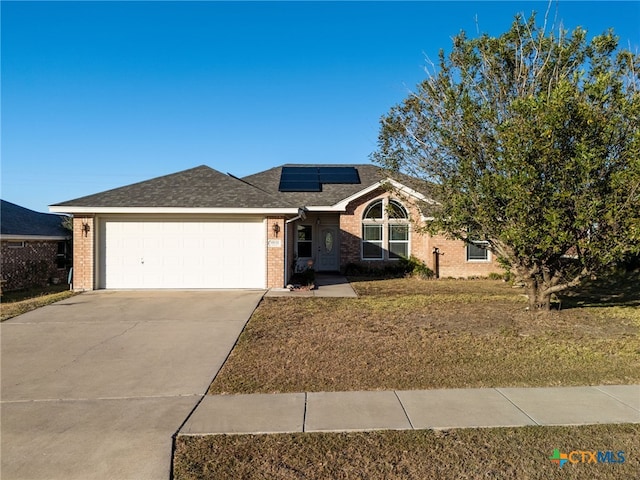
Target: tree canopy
x,y
530,142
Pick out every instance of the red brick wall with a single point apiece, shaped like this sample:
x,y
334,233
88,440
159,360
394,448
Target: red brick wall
x,y
275,254
32,265
351,229
453,258
83,253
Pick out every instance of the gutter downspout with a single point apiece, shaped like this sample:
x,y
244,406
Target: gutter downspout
x,y
301,216
436,261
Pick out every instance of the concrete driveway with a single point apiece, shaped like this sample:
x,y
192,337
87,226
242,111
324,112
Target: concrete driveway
x,y
95,386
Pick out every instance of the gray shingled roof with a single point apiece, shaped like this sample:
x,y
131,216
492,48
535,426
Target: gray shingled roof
x,y
17,220
269,180
331,194
200,187
204,187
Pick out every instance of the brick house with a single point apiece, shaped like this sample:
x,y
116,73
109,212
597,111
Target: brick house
x,y
36,248
200,228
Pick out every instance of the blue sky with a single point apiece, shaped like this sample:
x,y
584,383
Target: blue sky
x,y
96,95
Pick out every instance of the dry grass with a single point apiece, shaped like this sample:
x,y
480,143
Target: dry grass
x,y
505,453
17,303
412,334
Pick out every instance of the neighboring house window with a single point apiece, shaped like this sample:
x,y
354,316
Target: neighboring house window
x,y
304,241
61,256
385,226
477,252
15,244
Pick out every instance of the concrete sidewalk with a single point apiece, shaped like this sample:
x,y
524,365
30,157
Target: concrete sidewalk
x,y
327,285
415,409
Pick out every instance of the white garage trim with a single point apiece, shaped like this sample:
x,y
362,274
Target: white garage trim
x,y
172,210
163,252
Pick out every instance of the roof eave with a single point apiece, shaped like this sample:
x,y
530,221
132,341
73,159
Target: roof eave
x,y
173,210
32,237
341,206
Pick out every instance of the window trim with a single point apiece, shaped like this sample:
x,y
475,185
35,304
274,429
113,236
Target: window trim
x,y
397,242
378,243
298,241
385,223
487,258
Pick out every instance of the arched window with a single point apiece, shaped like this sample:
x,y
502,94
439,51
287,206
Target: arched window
x,y
385,231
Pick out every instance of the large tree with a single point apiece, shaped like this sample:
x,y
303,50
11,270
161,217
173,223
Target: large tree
x,y
530,141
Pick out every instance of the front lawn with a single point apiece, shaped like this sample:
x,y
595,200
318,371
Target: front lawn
x,y
412,334
498,453
421,334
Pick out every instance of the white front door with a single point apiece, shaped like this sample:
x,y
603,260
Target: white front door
x,y
182,254
328,249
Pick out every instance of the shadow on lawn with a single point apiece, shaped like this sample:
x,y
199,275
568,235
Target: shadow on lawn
x,y
619,289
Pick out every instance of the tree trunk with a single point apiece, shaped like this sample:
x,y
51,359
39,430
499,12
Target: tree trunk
x,y
541,284
539,296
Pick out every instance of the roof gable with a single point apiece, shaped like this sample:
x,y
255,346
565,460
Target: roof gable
x,y
338,195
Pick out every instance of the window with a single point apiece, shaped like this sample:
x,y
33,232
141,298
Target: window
x,y
304,241
385,227
477,252
61,256
15,244
398,241
372,242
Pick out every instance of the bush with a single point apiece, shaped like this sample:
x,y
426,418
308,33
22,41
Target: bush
x,y
306,277
411,266
416,268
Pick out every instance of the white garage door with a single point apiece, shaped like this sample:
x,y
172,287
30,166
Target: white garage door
x,y
182,254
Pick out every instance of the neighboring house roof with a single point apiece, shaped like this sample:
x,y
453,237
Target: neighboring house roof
x,y
205,188
19,222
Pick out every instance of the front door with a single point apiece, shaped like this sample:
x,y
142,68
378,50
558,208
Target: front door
x,y
328,249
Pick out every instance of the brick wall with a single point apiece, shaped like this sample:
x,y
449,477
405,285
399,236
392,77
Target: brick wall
x,y
32,265
275,253
351,230
453,258
83,253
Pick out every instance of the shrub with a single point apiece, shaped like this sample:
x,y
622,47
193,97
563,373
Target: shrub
x,y
411,266
417,268
307,277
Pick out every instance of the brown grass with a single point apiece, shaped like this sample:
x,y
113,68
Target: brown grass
x,y
17,303
412,334
504,453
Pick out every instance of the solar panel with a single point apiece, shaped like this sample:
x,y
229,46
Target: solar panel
x,y
311,179
288,172
338,175
299,179
299,186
